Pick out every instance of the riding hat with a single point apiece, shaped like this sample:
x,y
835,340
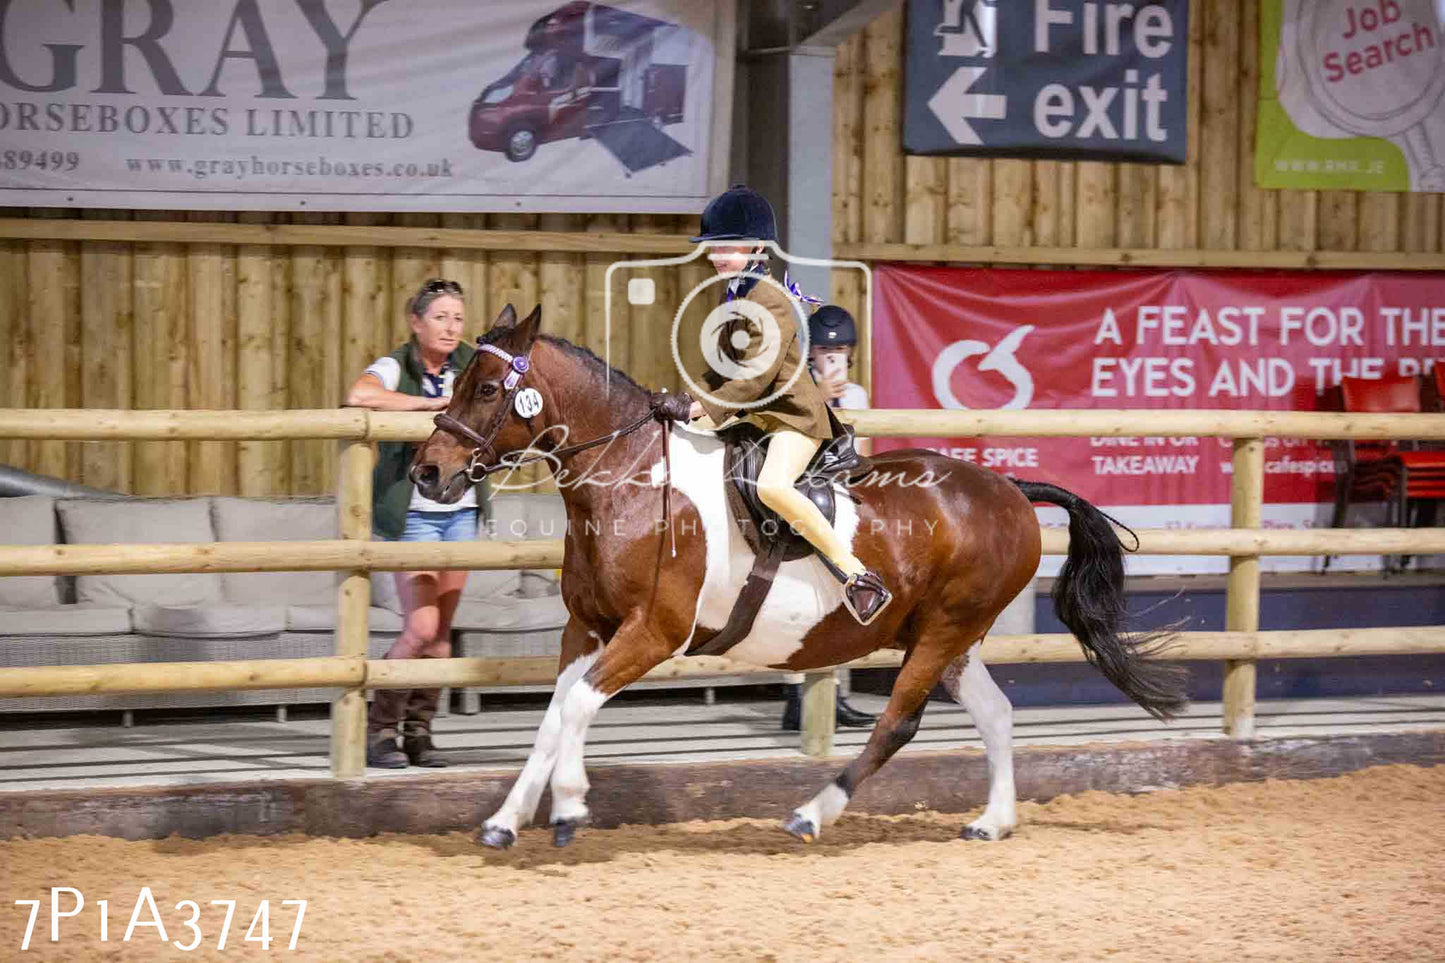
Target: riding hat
x,y
831,326
738,214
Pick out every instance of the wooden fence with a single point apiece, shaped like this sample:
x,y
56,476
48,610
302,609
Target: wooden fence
x,y
354,554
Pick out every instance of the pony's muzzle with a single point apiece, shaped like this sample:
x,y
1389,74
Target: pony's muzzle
x,y
427,479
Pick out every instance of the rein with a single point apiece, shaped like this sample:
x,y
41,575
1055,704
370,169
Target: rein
x,y
477,470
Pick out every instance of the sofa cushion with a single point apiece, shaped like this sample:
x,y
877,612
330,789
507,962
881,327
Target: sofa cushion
x,y
322,618
118,521
491,583
510,615
217,621
66,620
521,517
264,520
28,520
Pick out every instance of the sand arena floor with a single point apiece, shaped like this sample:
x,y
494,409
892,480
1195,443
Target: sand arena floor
x,y
1351,868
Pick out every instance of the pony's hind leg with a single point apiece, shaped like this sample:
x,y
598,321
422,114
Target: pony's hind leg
x,y
580,649
969,683
896,727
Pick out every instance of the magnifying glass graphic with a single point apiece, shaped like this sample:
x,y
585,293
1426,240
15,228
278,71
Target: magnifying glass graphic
x,y
1367,68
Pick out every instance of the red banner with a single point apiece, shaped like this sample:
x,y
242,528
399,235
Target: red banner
x,y
971,338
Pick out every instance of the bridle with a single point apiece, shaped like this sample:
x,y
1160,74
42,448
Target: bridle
x,y
484,441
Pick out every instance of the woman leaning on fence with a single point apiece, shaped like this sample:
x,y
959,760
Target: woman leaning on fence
x,y
417,376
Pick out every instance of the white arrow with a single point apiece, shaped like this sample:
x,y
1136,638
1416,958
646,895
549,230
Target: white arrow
x,y
954,106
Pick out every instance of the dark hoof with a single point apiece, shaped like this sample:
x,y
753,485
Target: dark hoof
x,y
801,827
496,837
563,830
969,832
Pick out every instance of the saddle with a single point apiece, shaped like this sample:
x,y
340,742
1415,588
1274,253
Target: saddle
x,y
771,539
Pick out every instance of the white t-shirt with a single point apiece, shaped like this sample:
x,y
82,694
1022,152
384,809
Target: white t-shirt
x,y
854,396
388,371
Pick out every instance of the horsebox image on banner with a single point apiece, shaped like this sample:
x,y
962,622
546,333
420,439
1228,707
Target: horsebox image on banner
x,y
1351,95
1047,78
969,338
394,105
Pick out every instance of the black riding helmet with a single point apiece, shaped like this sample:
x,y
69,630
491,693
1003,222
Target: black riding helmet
x,y
832,326
738,214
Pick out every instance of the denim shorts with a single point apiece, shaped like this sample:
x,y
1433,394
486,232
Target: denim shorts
x,y
458,526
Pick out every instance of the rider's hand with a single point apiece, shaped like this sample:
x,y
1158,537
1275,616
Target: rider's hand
x,y
434,404
834,385
676,407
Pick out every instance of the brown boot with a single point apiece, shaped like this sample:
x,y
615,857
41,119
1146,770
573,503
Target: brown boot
x,y
420,751
416,742
383,721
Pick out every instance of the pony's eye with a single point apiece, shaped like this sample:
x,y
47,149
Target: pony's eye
x,y
487,389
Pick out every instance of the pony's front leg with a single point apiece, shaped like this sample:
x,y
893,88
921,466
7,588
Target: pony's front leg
x,y
637,647
580,648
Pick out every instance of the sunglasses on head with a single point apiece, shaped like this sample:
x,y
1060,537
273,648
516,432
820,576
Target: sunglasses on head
x,y
441,286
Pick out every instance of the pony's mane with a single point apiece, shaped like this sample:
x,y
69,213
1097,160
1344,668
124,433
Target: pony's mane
x,y
598,367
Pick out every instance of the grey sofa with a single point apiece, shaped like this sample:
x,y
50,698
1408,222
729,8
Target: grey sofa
x,y
197,617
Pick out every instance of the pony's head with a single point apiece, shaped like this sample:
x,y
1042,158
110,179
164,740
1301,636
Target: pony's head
x,y
490,414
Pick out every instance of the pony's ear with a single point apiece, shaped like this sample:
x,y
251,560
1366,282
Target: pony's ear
x,y
527,330
507,319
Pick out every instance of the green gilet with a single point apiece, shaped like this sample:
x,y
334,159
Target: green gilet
x,y
391,490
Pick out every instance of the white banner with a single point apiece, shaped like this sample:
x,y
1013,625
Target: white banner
x,y
395,105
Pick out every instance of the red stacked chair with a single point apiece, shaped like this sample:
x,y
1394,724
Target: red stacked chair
x,y
1378,470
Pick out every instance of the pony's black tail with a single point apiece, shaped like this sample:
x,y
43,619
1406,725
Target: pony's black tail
x,y
1089,599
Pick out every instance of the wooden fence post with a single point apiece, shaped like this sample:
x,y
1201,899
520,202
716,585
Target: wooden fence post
x,y
820,700
353,602
1246,510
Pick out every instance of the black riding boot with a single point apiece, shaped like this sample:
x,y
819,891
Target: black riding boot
x,y
843,713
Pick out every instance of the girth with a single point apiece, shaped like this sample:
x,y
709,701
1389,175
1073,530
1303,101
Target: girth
x,y
771,539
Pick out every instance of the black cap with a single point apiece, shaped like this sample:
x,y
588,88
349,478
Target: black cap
x,y
737,214
831,325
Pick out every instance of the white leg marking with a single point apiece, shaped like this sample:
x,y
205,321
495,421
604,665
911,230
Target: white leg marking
x,y
521,804
569,777
824,808
992,714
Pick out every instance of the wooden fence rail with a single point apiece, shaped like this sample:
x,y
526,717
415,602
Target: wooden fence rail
x,y
355,555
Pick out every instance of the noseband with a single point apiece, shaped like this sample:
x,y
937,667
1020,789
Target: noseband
x,y
483,442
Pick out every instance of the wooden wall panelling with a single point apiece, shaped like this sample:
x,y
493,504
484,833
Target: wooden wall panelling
x,y
882,157
1257,214
1339,228
1420,222
211,464
54,323
315,361
1219,122
105,345
848,139
282,296
969,201
257,462
161,341
1178,206
1096,198
15,349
